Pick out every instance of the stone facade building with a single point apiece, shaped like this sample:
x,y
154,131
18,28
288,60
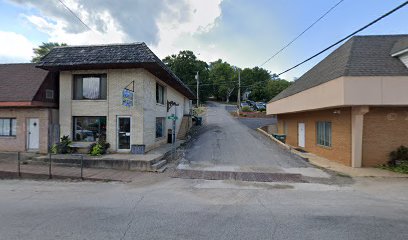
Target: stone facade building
x,y
121,92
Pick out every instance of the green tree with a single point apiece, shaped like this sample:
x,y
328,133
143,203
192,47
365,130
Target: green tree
x,y
255,80
274,87
44,49
224,79
186,65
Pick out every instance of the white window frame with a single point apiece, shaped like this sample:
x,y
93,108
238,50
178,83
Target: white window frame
x,y
163,94
12,128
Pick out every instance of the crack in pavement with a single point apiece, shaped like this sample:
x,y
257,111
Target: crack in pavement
x,y
132,218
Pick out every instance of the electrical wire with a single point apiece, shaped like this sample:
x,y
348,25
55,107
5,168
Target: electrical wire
x,y
304,31
348,36
76,16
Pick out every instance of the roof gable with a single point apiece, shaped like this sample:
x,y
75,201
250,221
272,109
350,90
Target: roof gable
x,y
400,46
20,82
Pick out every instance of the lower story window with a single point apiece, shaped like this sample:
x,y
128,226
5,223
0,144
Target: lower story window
x,y
8,126
159,127
324,133
89,129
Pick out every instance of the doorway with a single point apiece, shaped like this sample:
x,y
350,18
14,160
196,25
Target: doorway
x,y
124,132
301,135
33,131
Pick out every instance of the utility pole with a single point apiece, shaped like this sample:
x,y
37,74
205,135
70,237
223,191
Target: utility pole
x,y
239,91
198,90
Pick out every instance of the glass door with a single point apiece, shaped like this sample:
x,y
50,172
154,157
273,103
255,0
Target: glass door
x,y
124,133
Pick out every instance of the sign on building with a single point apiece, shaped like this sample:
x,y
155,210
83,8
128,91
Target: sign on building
x,y
127,98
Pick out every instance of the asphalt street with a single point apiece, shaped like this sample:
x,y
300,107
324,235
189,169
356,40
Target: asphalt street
x,y
158,207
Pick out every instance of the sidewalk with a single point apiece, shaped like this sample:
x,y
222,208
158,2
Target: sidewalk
x,y
337,167
36,171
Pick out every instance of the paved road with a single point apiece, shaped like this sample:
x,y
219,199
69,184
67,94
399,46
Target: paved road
x,y
226,141
157,207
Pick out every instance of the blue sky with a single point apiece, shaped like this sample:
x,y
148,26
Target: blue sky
x,y
242,32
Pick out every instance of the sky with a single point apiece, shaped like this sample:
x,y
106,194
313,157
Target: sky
x,y
244,33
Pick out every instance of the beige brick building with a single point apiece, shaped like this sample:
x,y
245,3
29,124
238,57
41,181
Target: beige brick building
x,y
352,107
93,102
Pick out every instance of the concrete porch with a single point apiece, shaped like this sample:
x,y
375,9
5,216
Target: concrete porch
x,y
153,160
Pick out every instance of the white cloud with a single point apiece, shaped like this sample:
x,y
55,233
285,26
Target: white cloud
x,y
57,32
15,47
165,25
175,34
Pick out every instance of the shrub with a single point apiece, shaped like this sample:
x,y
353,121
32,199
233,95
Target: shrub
x,y
63,147
246,109
99,148
262,110
400,154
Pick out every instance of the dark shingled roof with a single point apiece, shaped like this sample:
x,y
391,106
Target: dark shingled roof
x,y
359,56
400,45
20,82
112,56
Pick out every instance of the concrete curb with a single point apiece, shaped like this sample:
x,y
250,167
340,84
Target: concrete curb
x,y
43,176
336,167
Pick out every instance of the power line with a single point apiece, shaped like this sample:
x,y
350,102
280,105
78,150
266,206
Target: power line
x,y
348,36
304,31
76,16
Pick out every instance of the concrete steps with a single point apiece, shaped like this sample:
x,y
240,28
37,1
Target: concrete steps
x,y
160,166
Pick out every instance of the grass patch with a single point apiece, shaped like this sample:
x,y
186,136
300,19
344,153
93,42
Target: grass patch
x,y
343,175
402,168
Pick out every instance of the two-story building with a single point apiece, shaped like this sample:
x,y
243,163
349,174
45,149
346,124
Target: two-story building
x,y
121,92
352,107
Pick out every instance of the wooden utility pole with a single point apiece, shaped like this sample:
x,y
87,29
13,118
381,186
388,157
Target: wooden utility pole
x,y
198,90
239,91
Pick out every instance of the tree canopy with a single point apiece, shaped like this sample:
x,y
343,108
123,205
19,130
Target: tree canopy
x,y
44,49
219,79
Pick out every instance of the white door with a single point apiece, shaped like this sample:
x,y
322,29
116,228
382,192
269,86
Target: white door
x,y
301,134
33,129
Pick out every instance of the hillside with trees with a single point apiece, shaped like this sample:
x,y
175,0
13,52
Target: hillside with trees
x,y
219,79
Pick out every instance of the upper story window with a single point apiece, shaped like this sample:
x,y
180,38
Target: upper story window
x,y
90,87
324,133
8,126
160,93
49,94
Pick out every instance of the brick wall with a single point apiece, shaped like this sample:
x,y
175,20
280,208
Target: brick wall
x,y
385,129
143,114
340,151
19,142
